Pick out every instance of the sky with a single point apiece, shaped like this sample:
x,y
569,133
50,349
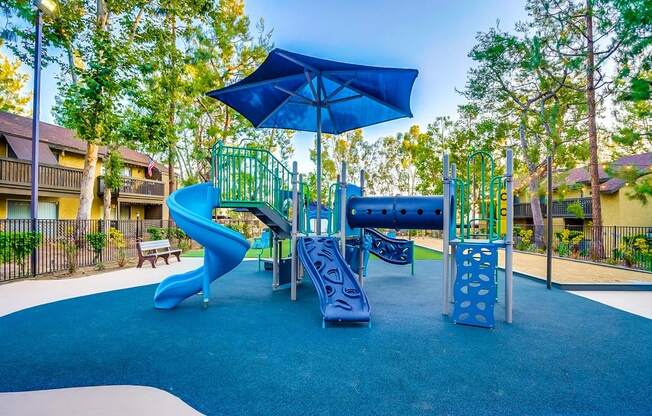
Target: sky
x,y
432,36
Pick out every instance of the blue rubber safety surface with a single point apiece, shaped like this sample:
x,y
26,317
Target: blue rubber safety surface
x,y
254,352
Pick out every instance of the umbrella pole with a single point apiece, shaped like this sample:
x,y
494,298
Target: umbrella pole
x,y
318,164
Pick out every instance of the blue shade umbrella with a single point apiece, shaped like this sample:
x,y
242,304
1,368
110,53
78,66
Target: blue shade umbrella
x,y
299,92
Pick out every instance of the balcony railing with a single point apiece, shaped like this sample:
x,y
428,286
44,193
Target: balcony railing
x,y
559,208
18,173
141,187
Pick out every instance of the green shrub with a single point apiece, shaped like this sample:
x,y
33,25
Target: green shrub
x,y
97,241
569,242
524,240
118,240
17,246
636,250
155,233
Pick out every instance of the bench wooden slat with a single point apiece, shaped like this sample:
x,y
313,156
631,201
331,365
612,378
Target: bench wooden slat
x,y
151,250
154,245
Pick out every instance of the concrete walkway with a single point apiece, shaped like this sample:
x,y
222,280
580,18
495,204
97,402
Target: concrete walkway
x,y
27,293
563,271
96,401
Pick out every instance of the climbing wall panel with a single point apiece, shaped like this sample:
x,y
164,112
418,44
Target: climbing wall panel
x,y
475,285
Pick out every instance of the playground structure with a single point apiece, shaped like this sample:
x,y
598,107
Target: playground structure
x,y
474,214
484,203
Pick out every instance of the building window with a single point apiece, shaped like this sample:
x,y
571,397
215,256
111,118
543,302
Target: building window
x,y
125,212
126,171
19,210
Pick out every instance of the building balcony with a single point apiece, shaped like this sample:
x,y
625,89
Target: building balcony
x,y
16,177
133,188
559,208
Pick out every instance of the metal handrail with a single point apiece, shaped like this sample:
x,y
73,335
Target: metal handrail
x,y
250,175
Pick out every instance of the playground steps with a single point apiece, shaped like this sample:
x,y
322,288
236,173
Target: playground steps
x,y
271,218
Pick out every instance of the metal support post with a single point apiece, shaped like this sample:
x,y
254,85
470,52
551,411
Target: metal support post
x,y
36,101
361,250
275,254
549,226
452,268
446,236
306,226
509,237
295,226
343,210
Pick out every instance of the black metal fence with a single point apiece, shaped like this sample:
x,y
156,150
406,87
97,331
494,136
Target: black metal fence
x,y
621,245
60,245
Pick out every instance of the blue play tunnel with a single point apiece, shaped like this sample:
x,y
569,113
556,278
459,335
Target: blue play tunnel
x,y
398,212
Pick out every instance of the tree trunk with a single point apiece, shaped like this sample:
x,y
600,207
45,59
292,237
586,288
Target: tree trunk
x,y
597,250
106,200
87,182
533,184
92,149
535,205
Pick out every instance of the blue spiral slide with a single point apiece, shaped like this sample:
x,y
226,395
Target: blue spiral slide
x,y
191,208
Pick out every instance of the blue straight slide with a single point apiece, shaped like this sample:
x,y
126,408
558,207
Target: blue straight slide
x,y
341,298
192,208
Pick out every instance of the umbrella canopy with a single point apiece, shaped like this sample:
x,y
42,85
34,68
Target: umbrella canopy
x,y
299,92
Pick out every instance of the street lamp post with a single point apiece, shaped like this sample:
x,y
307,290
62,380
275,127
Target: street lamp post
x,y
49,8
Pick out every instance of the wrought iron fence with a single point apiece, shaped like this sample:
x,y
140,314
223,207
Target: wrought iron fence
x,y
621,245
62,244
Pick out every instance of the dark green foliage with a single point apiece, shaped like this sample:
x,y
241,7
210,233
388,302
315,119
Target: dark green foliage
x,y
97,242
15,246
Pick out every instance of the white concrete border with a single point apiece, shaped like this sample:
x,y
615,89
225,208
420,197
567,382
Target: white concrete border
x,y
636,302
25,294
96,401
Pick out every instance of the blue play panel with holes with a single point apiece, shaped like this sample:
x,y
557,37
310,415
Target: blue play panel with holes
x,y
254,352
475,285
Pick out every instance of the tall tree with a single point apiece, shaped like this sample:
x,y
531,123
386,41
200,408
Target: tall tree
x,y
584,39
197,47
513,79
87,39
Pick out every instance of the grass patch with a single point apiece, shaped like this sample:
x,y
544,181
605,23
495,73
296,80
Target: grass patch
x,y
420,253
423,253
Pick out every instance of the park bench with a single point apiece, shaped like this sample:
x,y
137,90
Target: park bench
x,y
152,250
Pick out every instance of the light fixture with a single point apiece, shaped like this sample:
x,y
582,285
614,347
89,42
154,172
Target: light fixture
x,y
47,7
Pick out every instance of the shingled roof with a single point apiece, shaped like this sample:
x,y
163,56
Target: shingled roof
x,y
62,138
609,184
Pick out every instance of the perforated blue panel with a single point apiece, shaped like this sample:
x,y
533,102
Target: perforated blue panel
x,y
340,296
392,250
475,285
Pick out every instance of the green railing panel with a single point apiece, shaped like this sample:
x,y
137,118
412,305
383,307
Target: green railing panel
x,y
248,177
479,193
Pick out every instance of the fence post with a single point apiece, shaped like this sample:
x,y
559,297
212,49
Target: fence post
x,y
34,260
